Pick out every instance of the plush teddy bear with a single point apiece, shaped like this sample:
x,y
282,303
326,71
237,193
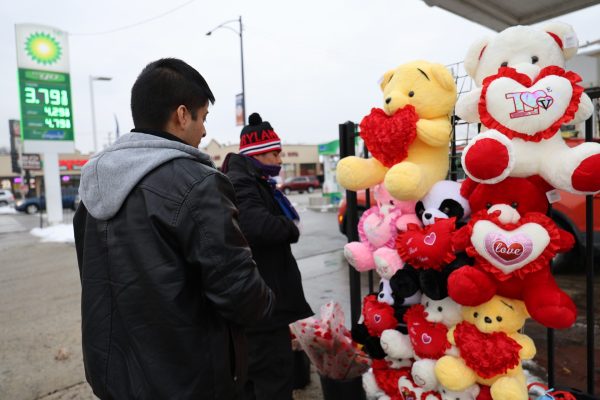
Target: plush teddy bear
x,y
377,230
491,350
524,97
409,138
412,391
381,381
434,316
512,243
428,251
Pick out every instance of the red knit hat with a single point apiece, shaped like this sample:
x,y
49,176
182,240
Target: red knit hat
x,y
258,137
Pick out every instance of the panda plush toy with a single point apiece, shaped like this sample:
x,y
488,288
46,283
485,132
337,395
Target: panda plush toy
x,y
443,201
427,252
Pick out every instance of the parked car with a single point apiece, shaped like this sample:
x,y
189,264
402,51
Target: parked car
x,y
32,205
6,198
300,184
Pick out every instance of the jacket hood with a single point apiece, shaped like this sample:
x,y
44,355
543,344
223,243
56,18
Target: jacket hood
x,y
109,176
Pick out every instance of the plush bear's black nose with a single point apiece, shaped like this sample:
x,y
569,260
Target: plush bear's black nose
x,y
387,101
487,320
427,215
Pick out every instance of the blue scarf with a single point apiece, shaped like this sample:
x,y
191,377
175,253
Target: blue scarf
x,y
284,203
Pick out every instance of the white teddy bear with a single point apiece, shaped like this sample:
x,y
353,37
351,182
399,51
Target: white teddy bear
x,y
447,312
523,107
399,356
410,391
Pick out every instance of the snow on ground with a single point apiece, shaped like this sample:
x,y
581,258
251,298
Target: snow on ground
x,y
7,210
61,233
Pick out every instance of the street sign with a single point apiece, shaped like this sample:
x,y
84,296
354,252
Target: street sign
x,y
45,93
45,105
44,88
31,161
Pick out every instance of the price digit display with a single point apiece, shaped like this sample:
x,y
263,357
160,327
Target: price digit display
x,y
45,105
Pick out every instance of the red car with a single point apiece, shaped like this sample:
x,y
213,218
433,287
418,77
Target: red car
x,y
300,184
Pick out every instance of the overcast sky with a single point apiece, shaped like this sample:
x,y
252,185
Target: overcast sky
x,y
310,65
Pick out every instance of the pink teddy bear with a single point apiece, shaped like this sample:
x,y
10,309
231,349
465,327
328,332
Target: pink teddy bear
x,y
377,230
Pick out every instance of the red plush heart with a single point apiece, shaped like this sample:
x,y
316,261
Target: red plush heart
x,y
488,354
389,137
428,338
378,316
531,101
428,247
387,378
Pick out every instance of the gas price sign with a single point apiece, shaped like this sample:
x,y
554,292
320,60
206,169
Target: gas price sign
x,y
46,112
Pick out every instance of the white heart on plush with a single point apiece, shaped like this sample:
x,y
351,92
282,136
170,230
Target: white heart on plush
x,y
509,250
377,229
528,110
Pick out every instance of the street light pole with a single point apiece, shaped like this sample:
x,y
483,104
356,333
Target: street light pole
x,y
92,79
241,35
242,60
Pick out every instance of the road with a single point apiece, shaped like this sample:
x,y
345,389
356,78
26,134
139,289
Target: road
x,y
40,338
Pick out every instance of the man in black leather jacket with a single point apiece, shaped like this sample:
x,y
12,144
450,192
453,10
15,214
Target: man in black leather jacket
x,y
269,222
168,281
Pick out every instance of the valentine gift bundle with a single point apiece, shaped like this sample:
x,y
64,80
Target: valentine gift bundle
x,y
329,345
464,265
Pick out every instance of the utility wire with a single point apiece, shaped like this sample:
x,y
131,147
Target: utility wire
x,y
122,28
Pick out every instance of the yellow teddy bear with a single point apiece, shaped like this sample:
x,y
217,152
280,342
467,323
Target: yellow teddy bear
x,y
418,98
491,350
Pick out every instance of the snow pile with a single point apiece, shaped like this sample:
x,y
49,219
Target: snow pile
x,y
7,210
61,233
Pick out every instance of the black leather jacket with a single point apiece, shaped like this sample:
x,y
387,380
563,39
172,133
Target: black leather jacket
x,y
168,284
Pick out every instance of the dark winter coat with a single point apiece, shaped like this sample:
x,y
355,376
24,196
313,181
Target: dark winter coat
x,y
168,281
270,235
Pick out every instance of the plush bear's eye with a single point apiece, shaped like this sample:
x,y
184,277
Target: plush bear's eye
x,y
446,210
475,314
411,93
534,59
427,304
514,205
392,202
499,318
440,309
504,64
488,205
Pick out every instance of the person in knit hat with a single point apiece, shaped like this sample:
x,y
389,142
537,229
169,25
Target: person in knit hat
x,y
269,222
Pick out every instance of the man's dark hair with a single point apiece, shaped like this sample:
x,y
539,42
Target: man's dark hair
x,y
163,86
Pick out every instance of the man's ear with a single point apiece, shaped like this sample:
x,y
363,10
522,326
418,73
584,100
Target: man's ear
x,y
565,37
181,116
443,77
386,78
473,56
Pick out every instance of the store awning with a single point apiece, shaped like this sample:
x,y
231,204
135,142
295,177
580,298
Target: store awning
x,y
500,14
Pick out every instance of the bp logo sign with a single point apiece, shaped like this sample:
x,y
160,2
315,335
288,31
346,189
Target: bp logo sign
x,y
43,48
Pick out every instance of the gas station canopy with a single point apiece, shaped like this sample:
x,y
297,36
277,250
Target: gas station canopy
x,y
500,14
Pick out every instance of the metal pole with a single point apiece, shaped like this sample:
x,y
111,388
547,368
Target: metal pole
x,y
93,114
242,58
347,133
589,267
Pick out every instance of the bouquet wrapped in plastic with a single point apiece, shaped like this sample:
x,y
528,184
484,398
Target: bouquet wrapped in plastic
x,y
329,345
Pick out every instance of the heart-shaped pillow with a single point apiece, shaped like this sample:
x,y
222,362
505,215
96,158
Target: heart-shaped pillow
x,y
488,354
389,137
428,247
515,105
377,229
508,250
428,338
377,316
